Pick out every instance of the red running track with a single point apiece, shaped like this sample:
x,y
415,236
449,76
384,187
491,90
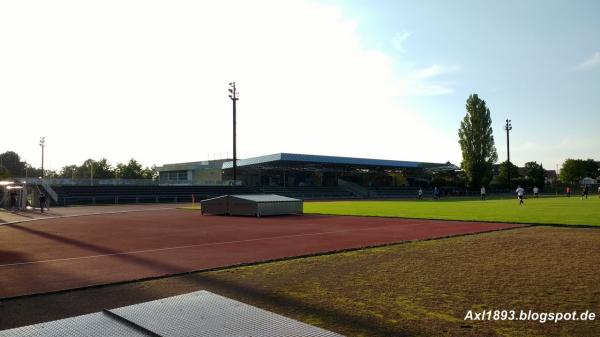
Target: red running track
x,y
58,254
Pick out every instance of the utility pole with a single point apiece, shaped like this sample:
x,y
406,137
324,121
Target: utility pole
x,y
43,144
508,127
233,94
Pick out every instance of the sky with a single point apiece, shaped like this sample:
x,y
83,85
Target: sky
x,y
376,79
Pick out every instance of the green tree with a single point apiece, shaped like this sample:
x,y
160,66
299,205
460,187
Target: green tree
x,y
4,172
503,170
150,173
101,169
536,173
69,171
573,170
477,143
33,172
592,168
131,170
12,162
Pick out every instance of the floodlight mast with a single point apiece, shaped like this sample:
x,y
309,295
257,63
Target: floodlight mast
x,y
508,127
43,144
233,95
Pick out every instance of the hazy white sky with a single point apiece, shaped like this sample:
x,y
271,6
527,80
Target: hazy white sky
x,y
148,80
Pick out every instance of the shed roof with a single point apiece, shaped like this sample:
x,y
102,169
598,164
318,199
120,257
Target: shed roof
x,y
263,197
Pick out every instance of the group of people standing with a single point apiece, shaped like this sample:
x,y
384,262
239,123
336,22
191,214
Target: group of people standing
x,y
436,193
15,204
520,192
585,191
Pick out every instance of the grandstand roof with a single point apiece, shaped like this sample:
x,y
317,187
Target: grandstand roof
x,y
294,158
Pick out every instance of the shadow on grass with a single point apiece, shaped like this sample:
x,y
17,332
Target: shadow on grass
x,y
29,310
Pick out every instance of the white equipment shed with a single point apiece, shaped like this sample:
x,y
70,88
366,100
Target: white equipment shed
x,y
251,204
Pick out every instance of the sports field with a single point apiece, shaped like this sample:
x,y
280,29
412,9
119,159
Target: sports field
x,y
547,210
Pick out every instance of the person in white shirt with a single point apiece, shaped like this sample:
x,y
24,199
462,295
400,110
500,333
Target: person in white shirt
x,y
536,191
420,196
482,193
520,194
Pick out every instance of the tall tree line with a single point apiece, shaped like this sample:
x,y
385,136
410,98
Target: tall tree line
x,y
11,165
477,143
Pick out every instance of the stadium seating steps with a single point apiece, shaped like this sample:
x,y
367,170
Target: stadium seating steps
x,y
120,194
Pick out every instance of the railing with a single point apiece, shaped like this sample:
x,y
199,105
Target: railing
x,y
199,182
40,182
127,182
49,190
93,182
132,199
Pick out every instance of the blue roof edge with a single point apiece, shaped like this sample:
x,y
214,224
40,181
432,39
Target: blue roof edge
x,y
284,156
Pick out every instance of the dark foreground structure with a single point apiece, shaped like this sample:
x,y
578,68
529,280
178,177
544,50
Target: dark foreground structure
x,y
201,313
254,205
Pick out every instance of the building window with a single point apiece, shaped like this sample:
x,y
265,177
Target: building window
x,y
174,175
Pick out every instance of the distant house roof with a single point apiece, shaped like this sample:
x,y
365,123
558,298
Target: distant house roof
x,y
588,181
271,159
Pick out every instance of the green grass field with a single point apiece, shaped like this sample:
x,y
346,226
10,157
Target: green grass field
x,y
559,211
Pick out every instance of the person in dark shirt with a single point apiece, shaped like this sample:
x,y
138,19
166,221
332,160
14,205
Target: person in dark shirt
x,y
42,202
585,192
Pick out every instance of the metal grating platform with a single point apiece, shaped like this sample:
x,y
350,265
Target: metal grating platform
x,y
96,324
198,314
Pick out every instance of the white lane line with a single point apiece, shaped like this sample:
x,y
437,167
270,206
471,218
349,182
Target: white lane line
x,y
87,214
188,246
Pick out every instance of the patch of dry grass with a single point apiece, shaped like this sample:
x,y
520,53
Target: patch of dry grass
x,y
426,288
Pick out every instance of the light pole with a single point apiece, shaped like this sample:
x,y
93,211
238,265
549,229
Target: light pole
x,y
508,127
233,94
43,144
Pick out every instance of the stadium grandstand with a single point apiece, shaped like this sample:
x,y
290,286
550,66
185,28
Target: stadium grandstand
x,y
301,176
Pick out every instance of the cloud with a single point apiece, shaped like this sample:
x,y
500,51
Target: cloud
x,y
420,88
592,62
435,70
398,40
419,82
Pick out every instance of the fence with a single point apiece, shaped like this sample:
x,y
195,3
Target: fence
x,y
126,182
131,199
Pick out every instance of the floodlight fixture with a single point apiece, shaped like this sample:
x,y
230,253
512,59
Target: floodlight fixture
x,y
233,95
43,144
507,128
